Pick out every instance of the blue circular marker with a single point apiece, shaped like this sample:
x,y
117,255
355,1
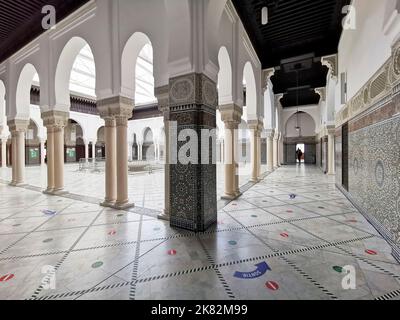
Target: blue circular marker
x,y
232,243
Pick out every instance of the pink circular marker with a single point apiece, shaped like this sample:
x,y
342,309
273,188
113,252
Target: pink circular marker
x,y
172,252
272,285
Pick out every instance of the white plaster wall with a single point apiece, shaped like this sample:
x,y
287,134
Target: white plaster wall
x,y
364,50
312,110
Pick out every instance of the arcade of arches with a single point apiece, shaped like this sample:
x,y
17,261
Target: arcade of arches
x,y
90,129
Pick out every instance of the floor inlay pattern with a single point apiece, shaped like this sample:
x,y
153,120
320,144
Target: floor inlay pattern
x,y
267,245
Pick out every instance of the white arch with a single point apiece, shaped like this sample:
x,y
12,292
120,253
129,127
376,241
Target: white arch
x,y
307,116
64,70
224,77
78,121
251,90
130,54
23,92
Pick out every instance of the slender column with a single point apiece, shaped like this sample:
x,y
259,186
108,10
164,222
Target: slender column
x,y
254,126
258,153
231,115
4,153
130,151
162,94
86,151
94,151
116,111
42,152
50,160
111,159
58,159
18,129
270,151
13,158
122,163
230,161
331,152
275,151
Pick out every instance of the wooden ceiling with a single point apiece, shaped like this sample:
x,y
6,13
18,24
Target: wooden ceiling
x,y
21,21
298,34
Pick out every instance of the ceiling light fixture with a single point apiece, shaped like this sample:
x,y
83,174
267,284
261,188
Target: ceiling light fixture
x,y
264,16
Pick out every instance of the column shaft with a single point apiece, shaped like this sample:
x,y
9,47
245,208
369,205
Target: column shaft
x,y
50,160
254,155
42,152
122,161
58,159
14,158
230,161
4,153
275,153
20,172
270,153
331,154
111,159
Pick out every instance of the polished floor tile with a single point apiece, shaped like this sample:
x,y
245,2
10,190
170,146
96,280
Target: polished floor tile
x,y
291,236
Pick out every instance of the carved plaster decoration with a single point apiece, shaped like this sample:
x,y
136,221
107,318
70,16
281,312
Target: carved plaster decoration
x,y
332,63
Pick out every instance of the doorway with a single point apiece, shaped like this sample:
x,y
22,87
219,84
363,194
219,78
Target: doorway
x,y
301,147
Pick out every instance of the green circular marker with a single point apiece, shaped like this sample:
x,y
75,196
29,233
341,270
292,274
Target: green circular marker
x,y
232,243
254,216
97,264
338,269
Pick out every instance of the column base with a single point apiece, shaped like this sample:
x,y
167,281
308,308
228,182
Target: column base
x,y
17,184
229,197
164,216
55,192
122,206
255,180
107,204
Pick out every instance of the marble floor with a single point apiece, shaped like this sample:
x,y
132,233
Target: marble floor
x,y
145,190
289,237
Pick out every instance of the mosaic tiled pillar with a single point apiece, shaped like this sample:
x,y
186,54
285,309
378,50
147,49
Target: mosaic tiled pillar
x,y
55,122
193,101
18,129
231,115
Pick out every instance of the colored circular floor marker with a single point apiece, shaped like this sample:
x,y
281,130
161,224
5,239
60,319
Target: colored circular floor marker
x,y
120,215
284,235
352,221
272,285
16,225
6,278
371,252
338,269
47,240
321,207
156,229
112,233
234,204
254,216
232,243
289,211
172,252
97,264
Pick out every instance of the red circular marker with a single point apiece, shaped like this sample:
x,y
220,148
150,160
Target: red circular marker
x,y
6,278
371,252
352,221
272,285
284,235
289,211
112,233
172,252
